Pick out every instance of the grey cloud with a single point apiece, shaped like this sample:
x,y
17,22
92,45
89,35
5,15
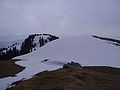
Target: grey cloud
x,y
61,17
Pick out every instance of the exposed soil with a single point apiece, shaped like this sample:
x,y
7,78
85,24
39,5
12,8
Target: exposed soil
x,y
9,68
87,78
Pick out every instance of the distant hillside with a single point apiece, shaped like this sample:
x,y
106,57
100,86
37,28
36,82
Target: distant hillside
x,y
31,43
5,44
109,40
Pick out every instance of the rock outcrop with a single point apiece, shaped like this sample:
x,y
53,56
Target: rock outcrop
x,y
71,65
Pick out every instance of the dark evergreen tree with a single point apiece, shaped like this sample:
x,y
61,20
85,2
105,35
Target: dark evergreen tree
x,y
41,41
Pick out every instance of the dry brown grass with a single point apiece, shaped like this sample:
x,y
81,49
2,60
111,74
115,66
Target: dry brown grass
x,y
88,78
9,68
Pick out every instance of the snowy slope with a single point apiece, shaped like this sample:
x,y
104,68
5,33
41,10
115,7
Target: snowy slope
x,y
85,50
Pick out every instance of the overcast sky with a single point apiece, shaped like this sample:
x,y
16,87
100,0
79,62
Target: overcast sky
x,y
60,17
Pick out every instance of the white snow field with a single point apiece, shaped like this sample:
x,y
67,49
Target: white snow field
x,y
86,50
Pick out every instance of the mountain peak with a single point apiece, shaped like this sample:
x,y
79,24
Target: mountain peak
x,y
31,43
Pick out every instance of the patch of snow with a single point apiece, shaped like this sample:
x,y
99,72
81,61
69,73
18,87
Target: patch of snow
x,y
18,46
36,40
